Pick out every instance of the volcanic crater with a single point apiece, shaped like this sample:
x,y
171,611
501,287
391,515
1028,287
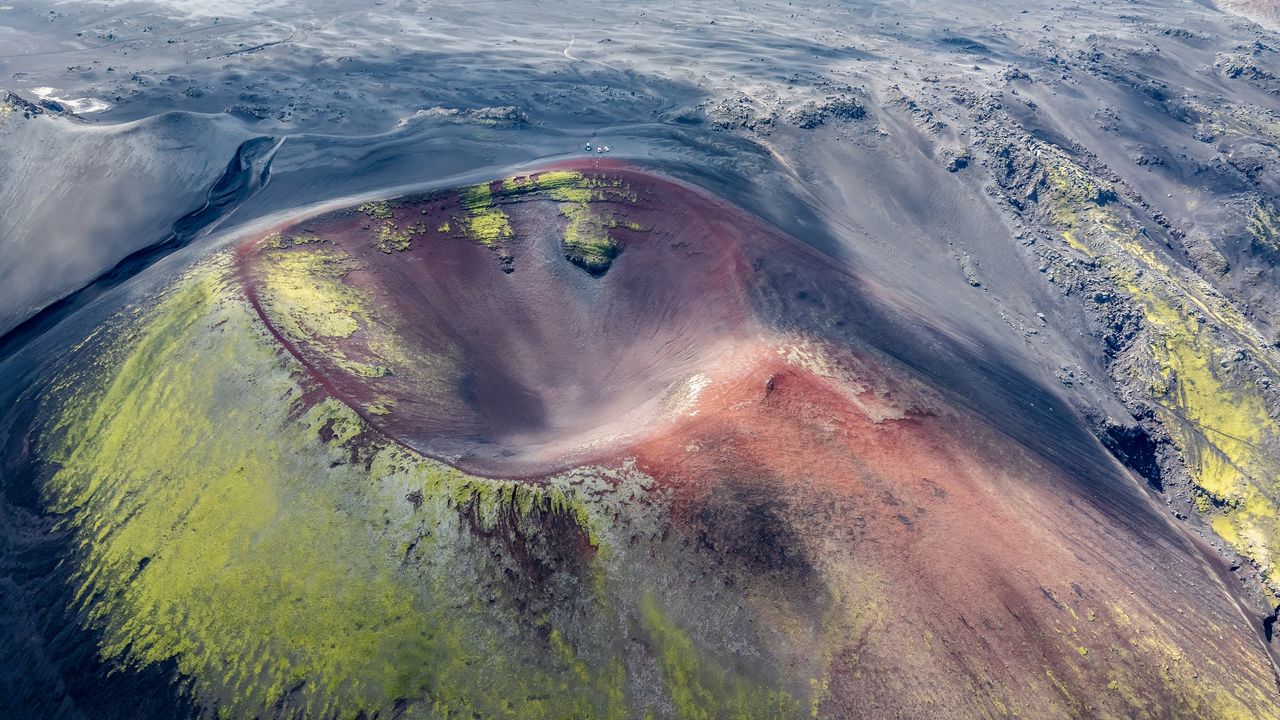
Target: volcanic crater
x,y
521,326
661,391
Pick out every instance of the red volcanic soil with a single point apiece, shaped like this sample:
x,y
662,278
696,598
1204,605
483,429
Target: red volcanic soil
x,y
983,585
963,575
533,364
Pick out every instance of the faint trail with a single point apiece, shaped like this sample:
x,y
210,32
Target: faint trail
x,y
573,38
257,48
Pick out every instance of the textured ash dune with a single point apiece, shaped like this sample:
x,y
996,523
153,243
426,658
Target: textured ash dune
x,y
1259,11
937,375
81,198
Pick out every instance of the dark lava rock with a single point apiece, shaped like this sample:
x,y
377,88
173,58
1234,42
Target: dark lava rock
x,y
840,107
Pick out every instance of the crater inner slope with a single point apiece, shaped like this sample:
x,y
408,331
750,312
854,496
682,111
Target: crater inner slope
x,y
517,326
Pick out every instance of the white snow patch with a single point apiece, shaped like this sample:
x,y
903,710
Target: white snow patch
x,y
79,106
683,394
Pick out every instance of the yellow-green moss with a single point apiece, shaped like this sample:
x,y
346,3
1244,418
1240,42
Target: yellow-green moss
x,y
1216,416
279,241
568,186
388,238
1155,640
305,293
378,209
484,221
702,687
1219,422
1070,237
589,244
222,531
587,239
381,406
1264,227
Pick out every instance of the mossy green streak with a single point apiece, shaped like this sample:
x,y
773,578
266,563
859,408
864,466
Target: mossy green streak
x,y
1215,414
705,690
588,234
216,533
485,222
324,574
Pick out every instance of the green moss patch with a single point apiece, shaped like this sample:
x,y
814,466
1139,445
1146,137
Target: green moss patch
x,y
484,221
378,209
1215,413
288,560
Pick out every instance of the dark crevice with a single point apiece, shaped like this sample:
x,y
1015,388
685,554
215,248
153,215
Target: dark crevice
x,y
1134,447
